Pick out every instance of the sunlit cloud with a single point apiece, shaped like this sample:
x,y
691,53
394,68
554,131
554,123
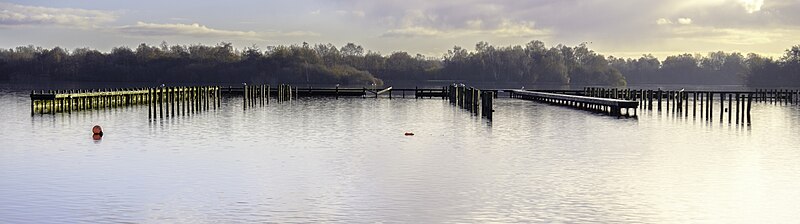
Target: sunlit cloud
x,y
752,6
680,21
198,30
506,28
23,15
732,36
180,29
663,21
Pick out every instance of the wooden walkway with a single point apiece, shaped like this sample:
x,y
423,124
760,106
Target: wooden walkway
x,y
172,101
161,101
611,106
335,92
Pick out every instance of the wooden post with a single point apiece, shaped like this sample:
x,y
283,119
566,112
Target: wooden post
x,y
694,104
730,108
685,101
721,106
710,106
659,100
738,107
149,103
161,102
173,99
33,103
749,104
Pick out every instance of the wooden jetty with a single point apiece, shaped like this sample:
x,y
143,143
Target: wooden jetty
x,y
611,106
161,101
733,106
335,92
702,103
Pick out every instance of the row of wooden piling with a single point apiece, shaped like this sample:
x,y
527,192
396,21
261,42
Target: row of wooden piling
x,y
702,103
66,101
472,99
777,96
164,102
260,95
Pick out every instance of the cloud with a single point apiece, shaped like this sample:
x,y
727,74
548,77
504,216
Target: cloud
x,y
730,36
180,29
752,6
506,28
421,23
198,30
355,13
680,21
23,15
413,31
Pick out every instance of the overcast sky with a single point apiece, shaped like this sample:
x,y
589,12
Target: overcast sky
x,y
626,28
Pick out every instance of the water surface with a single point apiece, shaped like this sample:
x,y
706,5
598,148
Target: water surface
x,y
348,160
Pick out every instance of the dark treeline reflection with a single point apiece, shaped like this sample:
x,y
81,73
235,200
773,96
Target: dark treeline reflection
x,y
533,63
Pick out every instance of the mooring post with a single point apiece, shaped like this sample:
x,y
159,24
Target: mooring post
x,y
730,108
738,107
33,103
490,105
749,104
666,101
149,103
710,106
659,100
721,106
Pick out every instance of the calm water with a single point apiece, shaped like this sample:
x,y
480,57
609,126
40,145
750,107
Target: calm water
x,y
347,160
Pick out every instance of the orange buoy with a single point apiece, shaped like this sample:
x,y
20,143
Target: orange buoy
x,y
97,130
409,134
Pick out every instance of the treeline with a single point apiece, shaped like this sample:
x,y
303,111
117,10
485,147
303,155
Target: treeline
x,y
301,64
326,64
176,64
715,68
533,63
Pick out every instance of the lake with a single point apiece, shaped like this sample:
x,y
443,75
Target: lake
x,y
348,160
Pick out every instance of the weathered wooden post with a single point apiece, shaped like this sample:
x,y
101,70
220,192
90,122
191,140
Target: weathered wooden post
x,y
721,106
173,99
730,108
244,98
659,100
33,102
694,104
738,107
710,106
149,103
749,104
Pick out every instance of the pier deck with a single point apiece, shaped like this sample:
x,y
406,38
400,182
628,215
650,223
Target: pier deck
x,y
612,106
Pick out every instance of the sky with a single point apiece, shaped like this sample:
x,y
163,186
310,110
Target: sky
x,y
622,28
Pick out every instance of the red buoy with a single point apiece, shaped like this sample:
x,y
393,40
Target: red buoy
x,y
97,130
